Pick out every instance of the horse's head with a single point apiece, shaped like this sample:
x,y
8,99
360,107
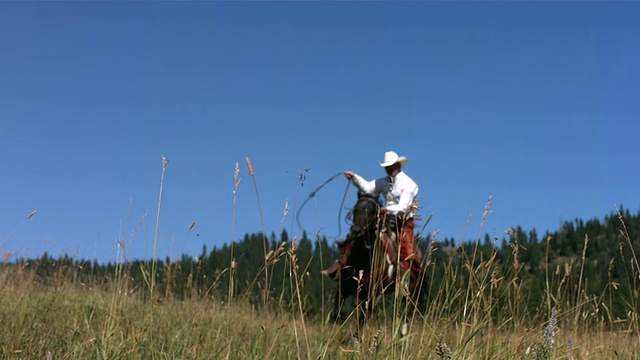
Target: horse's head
x,y
365,215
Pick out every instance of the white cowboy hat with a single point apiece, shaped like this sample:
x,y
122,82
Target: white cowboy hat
x,y
390,158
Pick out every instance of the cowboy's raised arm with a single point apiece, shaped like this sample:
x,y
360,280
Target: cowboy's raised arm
x,y
363,185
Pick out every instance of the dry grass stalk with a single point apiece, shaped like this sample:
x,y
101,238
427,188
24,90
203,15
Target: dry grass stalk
x,y
165,162
264,237
232,267
18,226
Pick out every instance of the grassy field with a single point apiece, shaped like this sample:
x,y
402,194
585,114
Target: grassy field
x,y
60,317
64,319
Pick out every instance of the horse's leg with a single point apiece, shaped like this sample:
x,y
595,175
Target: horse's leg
x,y
363,308
346,288
336,314
411,298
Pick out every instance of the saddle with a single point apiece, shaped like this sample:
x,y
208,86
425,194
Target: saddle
x,y
388,237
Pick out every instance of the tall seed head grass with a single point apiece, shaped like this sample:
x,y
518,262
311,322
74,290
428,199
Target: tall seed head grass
x,y
18,226
249,165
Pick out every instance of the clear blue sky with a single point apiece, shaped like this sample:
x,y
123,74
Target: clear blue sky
x,y
533,103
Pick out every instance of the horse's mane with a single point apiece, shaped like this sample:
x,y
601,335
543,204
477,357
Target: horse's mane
x,y
370,196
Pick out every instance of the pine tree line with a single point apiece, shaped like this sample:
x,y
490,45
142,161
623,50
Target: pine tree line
x,y
583,261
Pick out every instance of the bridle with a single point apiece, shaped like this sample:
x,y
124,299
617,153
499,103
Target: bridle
x,y
362,229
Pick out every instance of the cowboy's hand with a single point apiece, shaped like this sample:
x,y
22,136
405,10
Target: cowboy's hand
x,y
383,211
348,174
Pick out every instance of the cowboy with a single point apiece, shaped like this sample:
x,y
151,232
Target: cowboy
x,y
399,192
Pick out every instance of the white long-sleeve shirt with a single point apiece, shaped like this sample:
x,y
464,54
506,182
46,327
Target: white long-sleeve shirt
x,y
399,191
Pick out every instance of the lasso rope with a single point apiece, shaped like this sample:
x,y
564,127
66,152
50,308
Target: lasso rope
x,y
313,194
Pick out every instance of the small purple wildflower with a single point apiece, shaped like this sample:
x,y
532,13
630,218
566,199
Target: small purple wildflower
x,y
550,330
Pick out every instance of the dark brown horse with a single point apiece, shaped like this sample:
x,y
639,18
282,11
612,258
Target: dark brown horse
x,y
370,266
